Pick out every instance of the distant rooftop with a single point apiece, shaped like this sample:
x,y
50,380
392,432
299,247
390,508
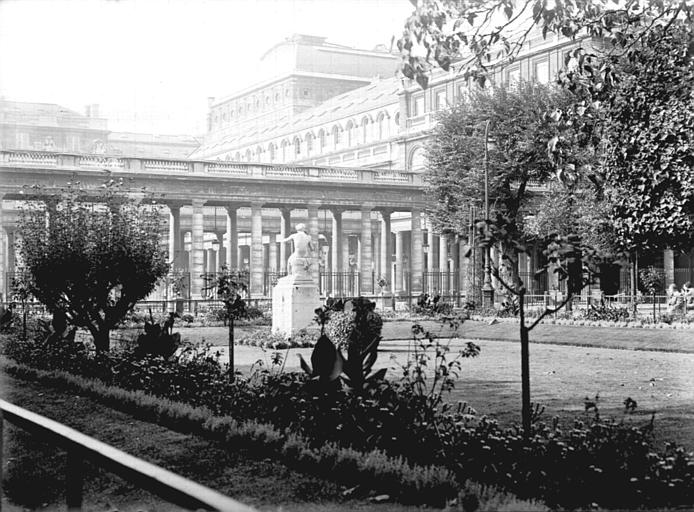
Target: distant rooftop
x,y
377,94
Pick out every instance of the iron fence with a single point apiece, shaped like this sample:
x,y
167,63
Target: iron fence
x,y
341,284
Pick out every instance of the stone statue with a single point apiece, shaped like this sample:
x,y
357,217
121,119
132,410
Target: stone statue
x,y
299,263
295,298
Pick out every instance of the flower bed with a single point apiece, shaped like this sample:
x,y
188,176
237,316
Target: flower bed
x,y
606,462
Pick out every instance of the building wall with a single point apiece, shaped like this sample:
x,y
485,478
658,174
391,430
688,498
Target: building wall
x,y
386,140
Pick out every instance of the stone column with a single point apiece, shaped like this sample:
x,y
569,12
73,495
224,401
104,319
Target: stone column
x,y
345,253
431,240
336,249
366,262
455,278
376,253
443,263
669,266
272,253
175,235
221,260
256,260
416,252
232,247
209,260
399,271
3,266
463,268
198,256
285,231
386,251
312,209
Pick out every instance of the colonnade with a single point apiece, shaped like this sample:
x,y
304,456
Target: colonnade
x,y
365,246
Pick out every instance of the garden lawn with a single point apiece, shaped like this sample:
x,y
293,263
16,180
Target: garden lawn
x,y
661,339
561,378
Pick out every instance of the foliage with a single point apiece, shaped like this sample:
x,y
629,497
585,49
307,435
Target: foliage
x,y
91,256
363,327
509,306
629,108
604,311
652,279
7,316
429,375
402,480
519,125
158,338
265,339
431,306
230,287
598,461
649,122
470,36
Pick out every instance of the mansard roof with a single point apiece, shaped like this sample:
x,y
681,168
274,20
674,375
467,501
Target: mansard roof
x,y
364,100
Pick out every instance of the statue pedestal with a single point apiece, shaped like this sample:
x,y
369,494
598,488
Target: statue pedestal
x,y
294,301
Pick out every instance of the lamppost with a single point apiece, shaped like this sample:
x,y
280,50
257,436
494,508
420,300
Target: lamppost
x,y
487,289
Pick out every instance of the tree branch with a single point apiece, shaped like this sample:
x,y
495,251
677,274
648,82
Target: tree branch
x,y
549,311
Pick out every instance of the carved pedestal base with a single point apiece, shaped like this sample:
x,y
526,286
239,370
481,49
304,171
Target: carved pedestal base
x,y
294,302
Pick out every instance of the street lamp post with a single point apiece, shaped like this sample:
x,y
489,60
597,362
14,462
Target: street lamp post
x,y
487,288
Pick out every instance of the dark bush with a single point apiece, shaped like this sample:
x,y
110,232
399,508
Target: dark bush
x,y
432,306
602,312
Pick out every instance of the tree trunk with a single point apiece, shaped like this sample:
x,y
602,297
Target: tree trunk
x,y
508,268
526,411
102,340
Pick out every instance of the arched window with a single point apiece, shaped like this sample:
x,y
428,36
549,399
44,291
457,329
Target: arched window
x,y
258,154
248,155
321,140
272,150
309,143
381,126
237,157
336,136
397,119
297,146
418,159
227,157
284,144
349,129
364,130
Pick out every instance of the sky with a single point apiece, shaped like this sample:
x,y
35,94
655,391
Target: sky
x,y
150,65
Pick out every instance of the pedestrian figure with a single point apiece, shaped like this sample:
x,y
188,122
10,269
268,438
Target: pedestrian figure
x,y
675,300
688,295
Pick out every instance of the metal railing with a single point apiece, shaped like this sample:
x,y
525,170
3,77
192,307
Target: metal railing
x,y
79,447
340,284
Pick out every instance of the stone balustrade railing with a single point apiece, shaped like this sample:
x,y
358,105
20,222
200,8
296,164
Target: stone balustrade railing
x,y
48,159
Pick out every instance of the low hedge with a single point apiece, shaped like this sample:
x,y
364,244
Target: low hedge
x,y
407,483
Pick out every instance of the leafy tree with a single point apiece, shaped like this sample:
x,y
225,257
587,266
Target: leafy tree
x,y
649,132
518,128
474,35
230,287
652,280
91,255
